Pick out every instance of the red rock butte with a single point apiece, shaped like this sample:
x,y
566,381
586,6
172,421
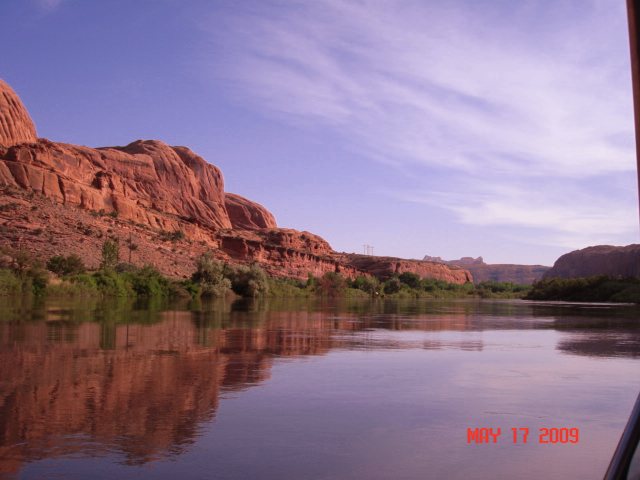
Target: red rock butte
x,y
167,201
16,125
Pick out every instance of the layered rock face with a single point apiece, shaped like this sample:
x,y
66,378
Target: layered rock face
x,y
247,215
148,182
497,272
286,252
385,267
167,200
16,125
598,260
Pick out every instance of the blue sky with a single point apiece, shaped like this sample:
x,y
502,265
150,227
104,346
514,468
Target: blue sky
x,y
458,128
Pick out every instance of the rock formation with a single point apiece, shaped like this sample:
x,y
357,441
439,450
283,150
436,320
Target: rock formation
x,y
385,267
598,260
166,201
148,182
497,272
16,125
247,215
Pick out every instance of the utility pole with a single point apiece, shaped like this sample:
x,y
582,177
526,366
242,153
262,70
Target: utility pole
x,y
367,249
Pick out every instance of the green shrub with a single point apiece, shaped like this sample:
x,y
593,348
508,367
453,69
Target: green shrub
x,y
148,282
112,284
288,287
332,284
110,254
312,282
69,265
10,284
37,278
392,285
184,289
248,281
410,279
589,289
210,276
370,285
75,286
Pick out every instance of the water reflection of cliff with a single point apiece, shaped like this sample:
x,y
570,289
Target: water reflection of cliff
x,y
142,383
144,389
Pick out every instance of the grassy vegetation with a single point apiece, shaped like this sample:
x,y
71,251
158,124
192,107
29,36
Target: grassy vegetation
x,y
408,285
591,289
67,276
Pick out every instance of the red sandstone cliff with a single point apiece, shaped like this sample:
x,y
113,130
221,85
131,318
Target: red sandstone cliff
x,y
385,267
598,260
247,215
16,125
166,200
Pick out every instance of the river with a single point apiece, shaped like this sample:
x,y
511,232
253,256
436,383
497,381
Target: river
x,y
313,389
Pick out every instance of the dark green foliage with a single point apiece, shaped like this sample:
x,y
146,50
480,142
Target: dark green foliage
x,y
392,285
30,273
493,289
210,275
10,284
184,288
590,289
22,262
312,282
410,279
248,281
370,285
331,284
85,281
37,279
113,284
288,287
69,265
110,254
148,282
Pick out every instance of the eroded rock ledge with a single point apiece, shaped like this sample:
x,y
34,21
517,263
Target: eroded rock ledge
x,y
167,201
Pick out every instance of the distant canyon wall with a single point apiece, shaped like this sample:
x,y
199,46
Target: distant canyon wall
x,y
482,272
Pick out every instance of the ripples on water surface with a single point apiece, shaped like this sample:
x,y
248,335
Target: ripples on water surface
x,y
312,390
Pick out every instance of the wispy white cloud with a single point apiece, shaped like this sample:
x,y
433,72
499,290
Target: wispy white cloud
x,y
49,5
515,92
561,214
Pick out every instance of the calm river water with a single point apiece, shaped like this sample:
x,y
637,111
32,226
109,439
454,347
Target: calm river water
x,y
314,390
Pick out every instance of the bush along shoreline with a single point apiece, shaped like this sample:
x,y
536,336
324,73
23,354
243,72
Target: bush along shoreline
x,y
67,276
589,289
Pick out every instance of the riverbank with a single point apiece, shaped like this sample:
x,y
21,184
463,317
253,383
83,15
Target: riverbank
x,y
588,289
66,276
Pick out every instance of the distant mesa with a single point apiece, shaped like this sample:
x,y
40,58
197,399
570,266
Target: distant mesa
x,y
482,272
607,260
166,201
16,125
